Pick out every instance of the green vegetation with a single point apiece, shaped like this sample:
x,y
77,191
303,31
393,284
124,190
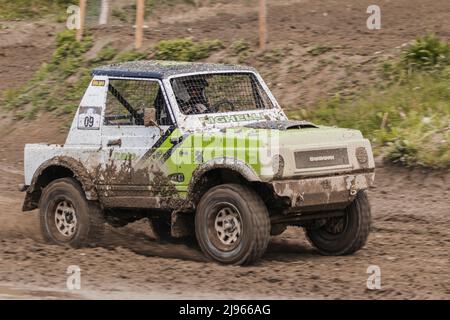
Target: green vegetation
x,y
407,118
427,53
318,50
240,46
120,14
58,86
23,9
149,4
185,49
242,49
130,56
272,56
127,13
26,9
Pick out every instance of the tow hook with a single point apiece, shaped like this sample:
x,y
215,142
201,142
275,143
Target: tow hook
x,y
353,189
351,185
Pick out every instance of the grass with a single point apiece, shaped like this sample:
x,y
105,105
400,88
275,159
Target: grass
x,y
59,85
408,118
318,50
26,9
126,13
32,9
186,49
426,53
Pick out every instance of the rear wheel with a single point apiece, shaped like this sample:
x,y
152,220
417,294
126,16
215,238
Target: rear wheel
x,y
232,224
345,234
67,217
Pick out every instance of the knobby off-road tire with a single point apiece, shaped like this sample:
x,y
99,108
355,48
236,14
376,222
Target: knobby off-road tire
x,y
232,224
67,217
344,235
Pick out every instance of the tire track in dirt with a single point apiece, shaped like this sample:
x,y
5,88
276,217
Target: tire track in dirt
x,y
414,264
409,241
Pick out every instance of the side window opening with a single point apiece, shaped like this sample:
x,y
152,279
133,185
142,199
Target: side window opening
x,y
127,100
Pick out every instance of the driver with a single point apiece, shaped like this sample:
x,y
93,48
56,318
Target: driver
x,y
197,102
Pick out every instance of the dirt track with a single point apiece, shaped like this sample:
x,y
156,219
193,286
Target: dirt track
x,y
410,240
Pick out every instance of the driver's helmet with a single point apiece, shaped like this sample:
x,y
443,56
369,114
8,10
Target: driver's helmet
x,y
195,86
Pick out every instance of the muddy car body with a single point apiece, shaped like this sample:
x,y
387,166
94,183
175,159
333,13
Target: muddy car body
x,y
200,149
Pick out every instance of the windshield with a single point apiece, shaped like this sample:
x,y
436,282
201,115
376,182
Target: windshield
x,y
221,92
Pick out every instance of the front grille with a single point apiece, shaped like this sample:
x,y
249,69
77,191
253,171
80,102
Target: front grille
x,y
321,158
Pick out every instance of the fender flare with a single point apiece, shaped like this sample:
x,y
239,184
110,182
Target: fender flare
x,y
79,171
232,164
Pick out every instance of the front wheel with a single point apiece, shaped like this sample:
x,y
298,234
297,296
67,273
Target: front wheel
x,y
67,217
346,234
232,224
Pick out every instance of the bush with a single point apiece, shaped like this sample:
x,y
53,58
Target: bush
x,y
408,121
426,53
24,9
130,56
407,116
58,86
185,49
240,46
106,54
68,54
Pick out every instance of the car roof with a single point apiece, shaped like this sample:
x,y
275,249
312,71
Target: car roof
x,y
158,69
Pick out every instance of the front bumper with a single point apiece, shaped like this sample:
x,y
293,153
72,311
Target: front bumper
x,y
323,192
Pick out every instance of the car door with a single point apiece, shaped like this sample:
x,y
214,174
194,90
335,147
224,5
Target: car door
x,y
130,149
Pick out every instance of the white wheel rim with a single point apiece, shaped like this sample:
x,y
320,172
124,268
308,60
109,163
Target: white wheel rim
x,y
228,225
65,218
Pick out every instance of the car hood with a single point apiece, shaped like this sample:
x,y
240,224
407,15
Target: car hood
x,y
281,125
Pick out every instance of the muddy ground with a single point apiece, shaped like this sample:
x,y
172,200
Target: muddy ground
x,y
410,240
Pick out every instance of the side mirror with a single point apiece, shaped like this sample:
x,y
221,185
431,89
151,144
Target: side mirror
x,y
150,117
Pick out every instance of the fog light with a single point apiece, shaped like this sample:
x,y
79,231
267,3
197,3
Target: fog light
x,y
278,166
361,155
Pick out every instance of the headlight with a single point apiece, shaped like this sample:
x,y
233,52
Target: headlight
x,y
278,166
361,155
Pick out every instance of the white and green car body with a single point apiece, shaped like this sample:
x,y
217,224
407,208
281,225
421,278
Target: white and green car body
x,y
131,167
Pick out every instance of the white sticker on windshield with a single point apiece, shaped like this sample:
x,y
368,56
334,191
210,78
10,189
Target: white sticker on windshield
x,y
89,118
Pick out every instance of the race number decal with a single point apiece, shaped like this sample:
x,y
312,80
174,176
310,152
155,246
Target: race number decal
x,y
89,118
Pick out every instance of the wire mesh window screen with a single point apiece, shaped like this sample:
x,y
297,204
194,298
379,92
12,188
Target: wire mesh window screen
x,y
127,100
221,92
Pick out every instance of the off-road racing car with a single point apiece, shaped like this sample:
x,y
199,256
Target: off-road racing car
x,y
199,149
